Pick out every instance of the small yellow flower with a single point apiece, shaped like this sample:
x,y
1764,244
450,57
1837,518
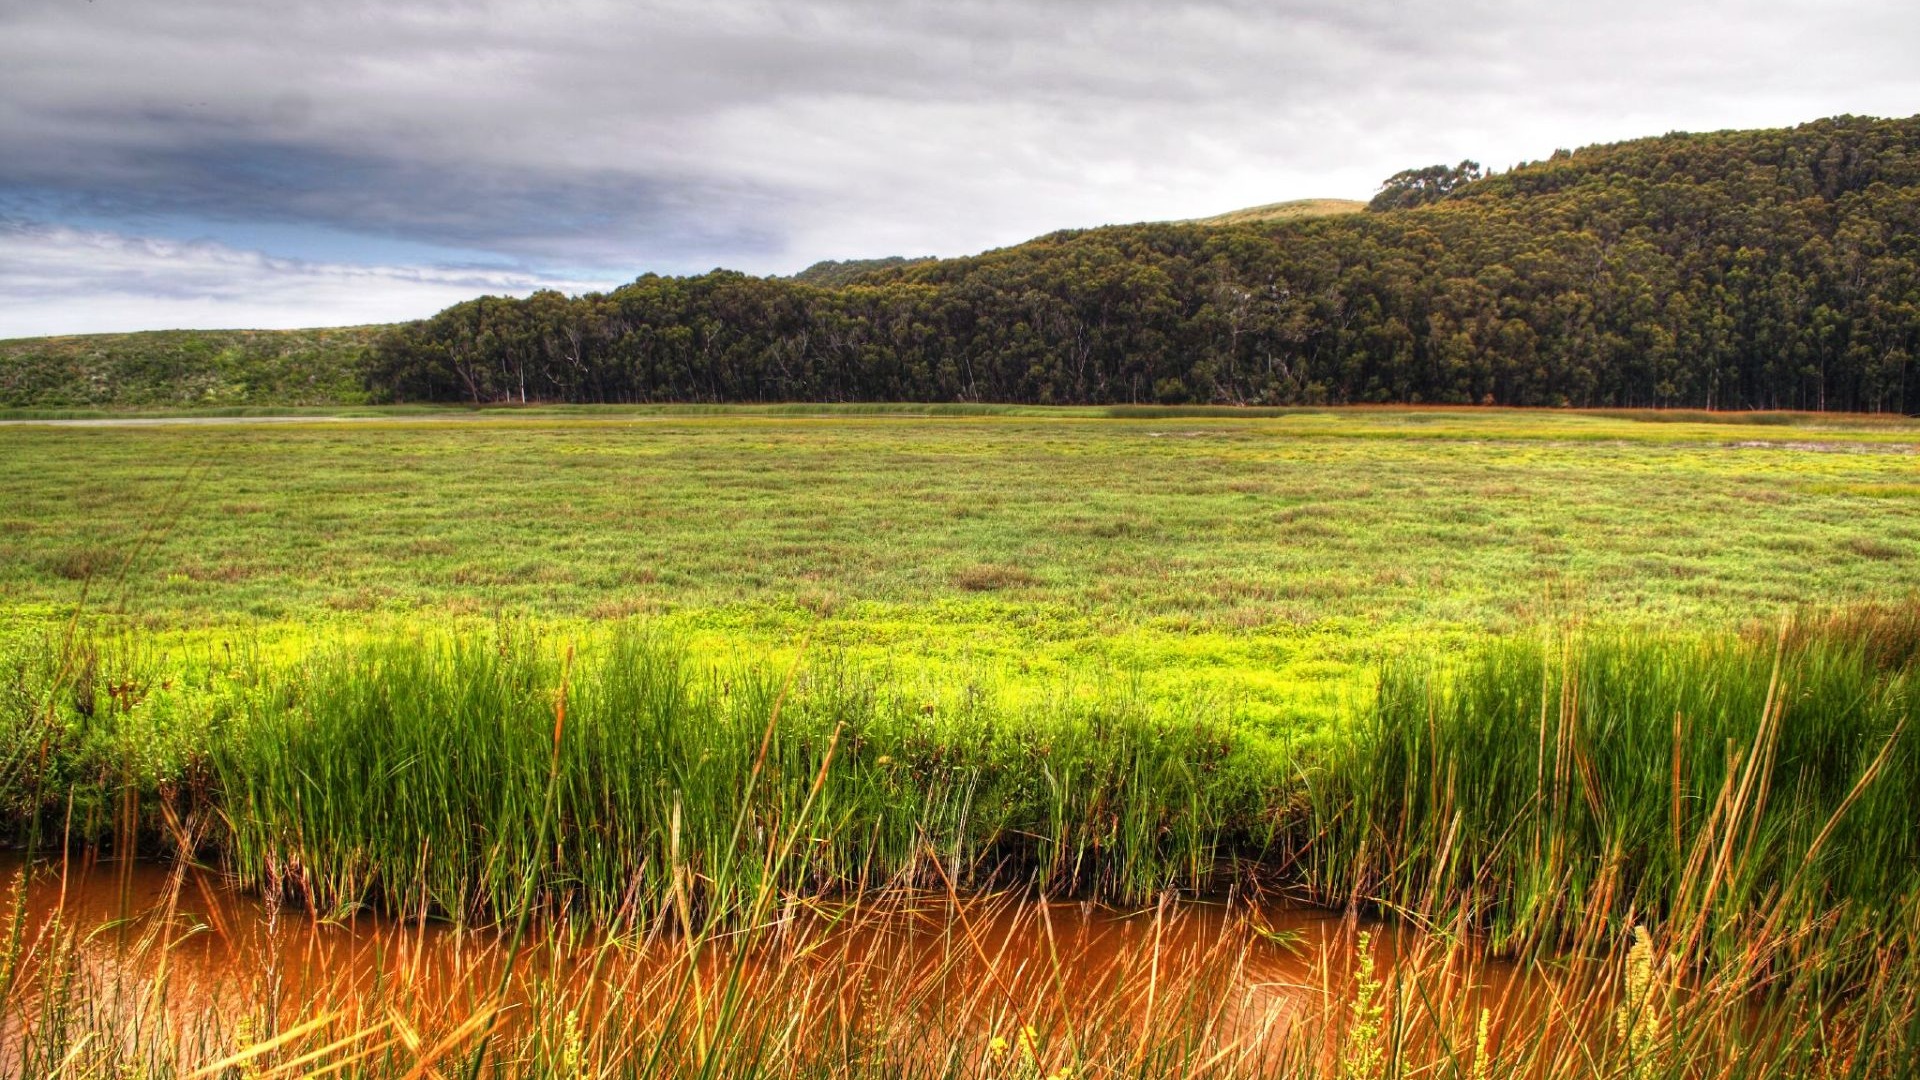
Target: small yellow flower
x,y
1482,1064
1029,1042
1637,1019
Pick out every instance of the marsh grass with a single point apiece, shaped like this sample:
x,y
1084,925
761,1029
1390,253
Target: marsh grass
x,y
1529,776
413,770
1273,558
1709,782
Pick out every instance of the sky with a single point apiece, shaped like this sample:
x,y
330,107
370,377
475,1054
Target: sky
x,y
262,163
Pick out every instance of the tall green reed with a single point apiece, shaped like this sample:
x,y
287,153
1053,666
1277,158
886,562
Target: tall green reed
x,y
410,772
1544,781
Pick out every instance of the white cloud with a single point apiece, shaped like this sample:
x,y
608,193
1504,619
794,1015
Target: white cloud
x,y
58,280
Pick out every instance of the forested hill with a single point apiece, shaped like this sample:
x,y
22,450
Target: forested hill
x,y
1755,269
1768,269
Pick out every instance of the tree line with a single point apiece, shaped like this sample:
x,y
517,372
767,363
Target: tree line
x,y
1735,270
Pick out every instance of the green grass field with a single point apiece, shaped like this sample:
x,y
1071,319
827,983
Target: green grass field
x,y
1269,560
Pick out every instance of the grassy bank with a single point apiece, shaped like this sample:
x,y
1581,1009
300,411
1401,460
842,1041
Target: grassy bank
x,y
186,369
413,769
1530,785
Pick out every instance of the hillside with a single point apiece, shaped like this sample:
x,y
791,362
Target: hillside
x,y
833,273
187,368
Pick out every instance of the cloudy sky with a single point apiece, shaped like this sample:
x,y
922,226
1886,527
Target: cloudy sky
x,y
272,163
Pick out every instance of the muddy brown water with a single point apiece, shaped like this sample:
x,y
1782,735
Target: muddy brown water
x,y
220,951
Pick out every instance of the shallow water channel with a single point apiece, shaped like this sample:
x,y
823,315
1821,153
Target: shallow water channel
x,y
974,967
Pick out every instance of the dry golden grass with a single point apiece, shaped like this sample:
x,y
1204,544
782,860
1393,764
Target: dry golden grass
x,y
1291,210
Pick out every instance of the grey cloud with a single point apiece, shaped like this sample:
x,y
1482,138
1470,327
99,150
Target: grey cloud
x,y
586,216
678,134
